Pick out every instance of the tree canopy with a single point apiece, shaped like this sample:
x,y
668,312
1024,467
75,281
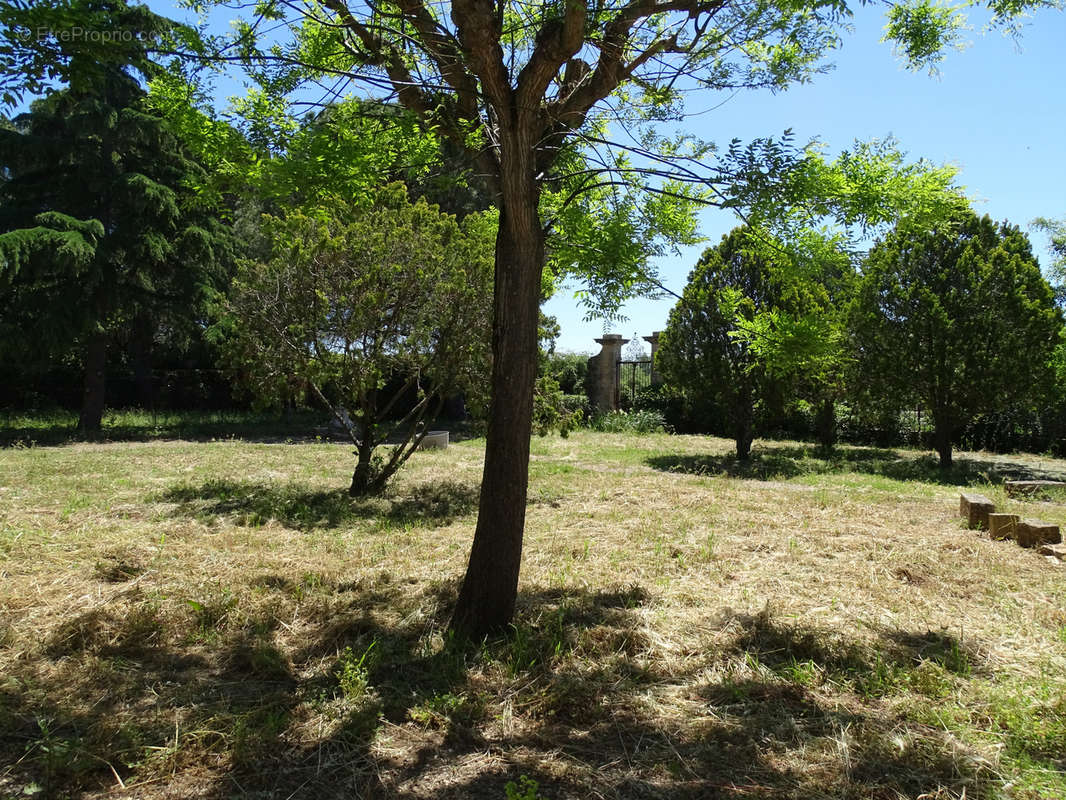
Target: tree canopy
x,y
380,309
701,354
958,319
100,225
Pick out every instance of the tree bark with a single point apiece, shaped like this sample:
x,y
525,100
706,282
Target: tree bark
x,y
744,438
825,423
362,478
95,394
487,598
744,425
942,442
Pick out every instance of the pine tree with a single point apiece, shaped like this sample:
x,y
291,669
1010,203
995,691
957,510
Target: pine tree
x,y
958,319
101,231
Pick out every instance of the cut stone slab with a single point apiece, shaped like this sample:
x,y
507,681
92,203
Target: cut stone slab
x,y
1053,551
1035,532
976,508
1001,526
434,440
1035,488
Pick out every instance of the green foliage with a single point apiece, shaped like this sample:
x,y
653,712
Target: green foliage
x,y
700,353
525,789
1056,233
75,43
1058,364
104,236
923,30
638,421
568,370
558,375
353,674
551,411
58,246
608,236
366,304
346,151
958,319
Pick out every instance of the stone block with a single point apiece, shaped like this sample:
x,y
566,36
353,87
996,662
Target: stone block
x,y
1053,551
1035,488
1035,532
1001,526
434,440
976,508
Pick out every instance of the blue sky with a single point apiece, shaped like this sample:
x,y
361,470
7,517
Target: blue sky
x,y
997,110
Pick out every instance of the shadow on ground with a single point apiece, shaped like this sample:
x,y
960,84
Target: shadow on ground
x,y
770,463
437,502
369,697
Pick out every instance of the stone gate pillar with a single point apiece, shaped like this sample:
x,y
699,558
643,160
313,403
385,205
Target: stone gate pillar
x,y
602,381
653,340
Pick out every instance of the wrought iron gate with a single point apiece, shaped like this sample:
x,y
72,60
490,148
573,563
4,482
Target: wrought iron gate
x,y
631,378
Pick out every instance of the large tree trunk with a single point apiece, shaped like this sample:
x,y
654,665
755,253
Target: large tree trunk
x,y
825,423
362,478
942,441
95,395
744,438
487,598
743,425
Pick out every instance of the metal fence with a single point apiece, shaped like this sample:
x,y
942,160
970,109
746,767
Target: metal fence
x,y
633,377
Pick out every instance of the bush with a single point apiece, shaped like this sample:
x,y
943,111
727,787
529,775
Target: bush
x,y
577,404
552,410
568,370
668,404
629,422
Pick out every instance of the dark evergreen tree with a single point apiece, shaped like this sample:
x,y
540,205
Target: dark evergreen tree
x,y
958,319
102,235
699,351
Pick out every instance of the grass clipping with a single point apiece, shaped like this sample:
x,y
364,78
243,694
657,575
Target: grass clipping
x,y
219,619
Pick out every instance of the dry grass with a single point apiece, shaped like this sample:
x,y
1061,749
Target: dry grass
x,y
219,620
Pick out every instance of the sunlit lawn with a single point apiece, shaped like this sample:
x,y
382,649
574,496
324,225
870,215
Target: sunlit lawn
x,y
218,619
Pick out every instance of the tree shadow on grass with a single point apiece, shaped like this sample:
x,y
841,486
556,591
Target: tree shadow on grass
x,y
250,503
770,463
331,690
869,668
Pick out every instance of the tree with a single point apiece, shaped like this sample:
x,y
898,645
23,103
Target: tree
x,y
957,318
802,341
381,310
1055,229
101,229
531,92
717,371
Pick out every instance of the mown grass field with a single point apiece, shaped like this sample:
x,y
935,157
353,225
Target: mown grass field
x,y
218,619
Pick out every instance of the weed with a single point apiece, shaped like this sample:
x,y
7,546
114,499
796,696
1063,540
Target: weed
x,y
446,709
629,422
353,674
804,673
706,551
525,789
212,614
